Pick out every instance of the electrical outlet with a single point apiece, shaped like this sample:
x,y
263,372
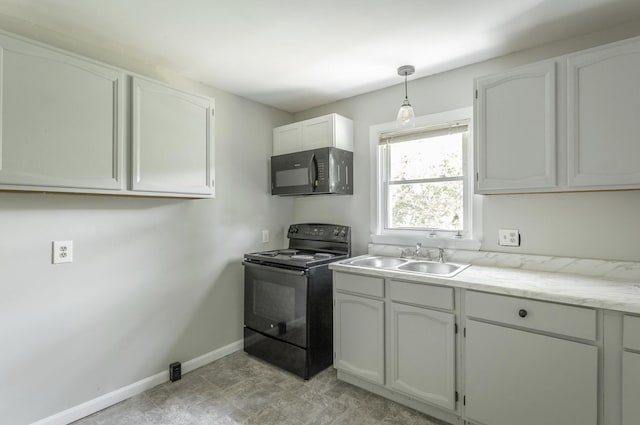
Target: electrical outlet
x,y
509,237
62,252
265,236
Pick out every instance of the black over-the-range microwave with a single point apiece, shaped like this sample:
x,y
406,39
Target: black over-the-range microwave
x,y
321,171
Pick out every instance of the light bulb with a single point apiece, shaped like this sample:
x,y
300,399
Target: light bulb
x,y
406,117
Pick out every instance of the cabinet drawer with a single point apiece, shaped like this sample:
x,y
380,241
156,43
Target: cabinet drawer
x,y
631,335
419,294
544,316
365,285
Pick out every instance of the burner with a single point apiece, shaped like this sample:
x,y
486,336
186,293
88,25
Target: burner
x,y
302,257
269,253
323,255
288,251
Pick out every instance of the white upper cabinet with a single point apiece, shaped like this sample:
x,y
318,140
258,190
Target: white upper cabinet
x,y
287,138
172,150
516,129
61,121
603,116
325,131
517,122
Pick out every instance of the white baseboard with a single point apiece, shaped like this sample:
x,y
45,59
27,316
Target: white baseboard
x,y
109,399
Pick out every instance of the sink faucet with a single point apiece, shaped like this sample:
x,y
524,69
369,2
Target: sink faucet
x,y
442,256
426,253
414,253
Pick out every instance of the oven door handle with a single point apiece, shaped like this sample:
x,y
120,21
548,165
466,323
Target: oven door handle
x,y
278,269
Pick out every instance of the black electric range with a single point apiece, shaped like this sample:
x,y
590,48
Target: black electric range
x,y
288,308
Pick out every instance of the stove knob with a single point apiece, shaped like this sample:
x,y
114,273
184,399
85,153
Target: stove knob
x,y
293,229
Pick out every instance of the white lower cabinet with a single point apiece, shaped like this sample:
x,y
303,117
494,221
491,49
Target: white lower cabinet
x,y
517,377
631,371
359,337
630,388
522,361
422,353
399,336
523,364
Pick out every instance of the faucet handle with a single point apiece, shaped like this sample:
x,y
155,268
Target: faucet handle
x,y
442,256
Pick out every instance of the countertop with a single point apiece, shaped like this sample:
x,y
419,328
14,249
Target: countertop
x,y
598,292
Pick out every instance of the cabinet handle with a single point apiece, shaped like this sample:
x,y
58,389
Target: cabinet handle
x,y
522,312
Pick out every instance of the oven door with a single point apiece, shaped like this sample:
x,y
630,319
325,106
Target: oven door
x,y
275,302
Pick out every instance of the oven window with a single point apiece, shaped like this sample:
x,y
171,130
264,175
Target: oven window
x,y
273,301
294,177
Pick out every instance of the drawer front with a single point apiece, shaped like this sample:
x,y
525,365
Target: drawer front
x,y
631,336
578,322
419,294
365,285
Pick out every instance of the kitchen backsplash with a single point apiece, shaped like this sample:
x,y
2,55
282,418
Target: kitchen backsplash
x,y
606,269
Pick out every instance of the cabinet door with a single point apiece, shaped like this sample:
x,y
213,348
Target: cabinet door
x,y
359,337
515,377
630,388
516,129
62,120
172,150
603,116
287,139
422,357
318,132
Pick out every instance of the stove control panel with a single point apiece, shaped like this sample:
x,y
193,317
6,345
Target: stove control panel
x,y
323,232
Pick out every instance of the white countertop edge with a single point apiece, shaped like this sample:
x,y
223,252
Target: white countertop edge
x,y
563,288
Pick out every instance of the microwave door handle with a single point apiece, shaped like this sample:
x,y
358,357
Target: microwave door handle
x,y
313,172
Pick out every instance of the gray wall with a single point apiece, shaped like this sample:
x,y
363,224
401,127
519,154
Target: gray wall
x,y
586,225
153,280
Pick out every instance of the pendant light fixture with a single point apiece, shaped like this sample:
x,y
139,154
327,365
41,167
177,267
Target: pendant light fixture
x,y
406,117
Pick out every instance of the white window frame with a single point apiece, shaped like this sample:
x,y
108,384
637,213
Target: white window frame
x,y
445,239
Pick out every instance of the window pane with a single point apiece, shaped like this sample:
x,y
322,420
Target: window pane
x,y
429,158
426,205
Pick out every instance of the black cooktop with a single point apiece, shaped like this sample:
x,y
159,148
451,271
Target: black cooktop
x,y
294,257
310,244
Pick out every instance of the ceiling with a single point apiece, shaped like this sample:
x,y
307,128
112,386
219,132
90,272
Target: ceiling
x,y
297,54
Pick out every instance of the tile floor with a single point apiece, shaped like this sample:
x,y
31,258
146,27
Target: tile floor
x,y
240,389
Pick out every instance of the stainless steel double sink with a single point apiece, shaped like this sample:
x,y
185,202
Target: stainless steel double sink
x,y
432,268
